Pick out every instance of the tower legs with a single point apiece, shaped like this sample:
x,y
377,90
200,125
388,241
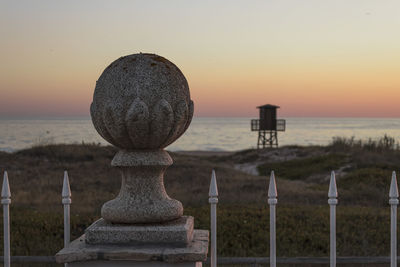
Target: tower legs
x,y
267,139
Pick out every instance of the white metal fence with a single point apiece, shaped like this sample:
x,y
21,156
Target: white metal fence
x,y
332,201
213,200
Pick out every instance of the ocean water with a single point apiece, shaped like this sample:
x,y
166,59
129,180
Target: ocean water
x,y
216,134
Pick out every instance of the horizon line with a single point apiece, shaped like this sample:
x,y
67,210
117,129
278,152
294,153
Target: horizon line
x,y
51,117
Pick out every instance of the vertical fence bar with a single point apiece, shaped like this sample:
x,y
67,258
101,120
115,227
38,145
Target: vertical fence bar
x,y
272,201
213,200
332,201
66,201
6,201
393,201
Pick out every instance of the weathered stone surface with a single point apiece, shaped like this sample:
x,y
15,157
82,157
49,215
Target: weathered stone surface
x,y
141,101
142,198
178,233
140,158
80,251
141,104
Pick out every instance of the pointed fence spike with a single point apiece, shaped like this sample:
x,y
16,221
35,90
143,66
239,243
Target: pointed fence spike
x,y
393,201
66,201
332,186
332,201
6,201
213,192
272,201
272,192
213,200
5,191
394,191
66,189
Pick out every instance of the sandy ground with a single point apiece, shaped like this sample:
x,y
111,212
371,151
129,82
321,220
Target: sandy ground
x,y
205,153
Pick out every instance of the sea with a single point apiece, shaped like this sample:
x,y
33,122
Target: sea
x,y
207,134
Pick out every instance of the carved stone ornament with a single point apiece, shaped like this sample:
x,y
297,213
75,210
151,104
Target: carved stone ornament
x,y
141,104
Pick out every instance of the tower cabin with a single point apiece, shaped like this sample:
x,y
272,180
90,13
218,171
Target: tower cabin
x,y
267,126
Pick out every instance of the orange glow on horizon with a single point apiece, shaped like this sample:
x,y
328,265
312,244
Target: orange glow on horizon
x,y
336,59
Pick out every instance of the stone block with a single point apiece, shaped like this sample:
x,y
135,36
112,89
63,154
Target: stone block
x,y
79,252
177,232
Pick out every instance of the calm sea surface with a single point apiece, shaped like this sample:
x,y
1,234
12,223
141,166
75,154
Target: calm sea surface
x,y
217,134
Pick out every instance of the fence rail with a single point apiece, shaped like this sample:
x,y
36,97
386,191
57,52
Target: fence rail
x,y
32,259
303,260
239,260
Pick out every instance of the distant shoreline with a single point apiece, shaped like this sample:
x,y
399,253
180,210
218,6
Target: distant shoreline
x,y
204,134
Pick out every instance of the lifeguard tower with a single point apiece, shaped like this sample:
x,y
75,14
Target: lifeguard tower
x,y
268,126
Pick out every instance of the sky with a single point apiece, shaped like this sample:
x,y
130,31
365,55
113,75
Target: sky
x,y
313,58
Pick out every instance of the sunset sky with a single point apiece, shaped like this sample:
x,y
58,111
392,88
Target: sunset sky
x,y
312,58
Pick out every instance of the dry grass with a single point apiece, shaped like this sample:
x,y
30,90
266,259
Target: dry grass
x,y
302,173
36,180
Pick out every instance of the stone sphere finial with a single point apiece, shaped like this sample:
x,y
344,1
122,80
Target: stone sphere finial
x,y
141,101
141,104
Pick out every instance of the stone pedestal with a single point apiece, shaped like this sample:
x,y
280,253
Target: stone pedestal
x,y
80,253
142,197
141,104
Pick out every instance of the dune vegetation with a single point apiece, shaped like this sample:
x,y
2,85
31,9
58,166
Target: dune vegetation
x,y
363,178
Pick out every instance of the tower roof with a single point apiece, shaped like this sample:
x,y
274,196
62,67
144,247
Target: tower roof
x,y
268,106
